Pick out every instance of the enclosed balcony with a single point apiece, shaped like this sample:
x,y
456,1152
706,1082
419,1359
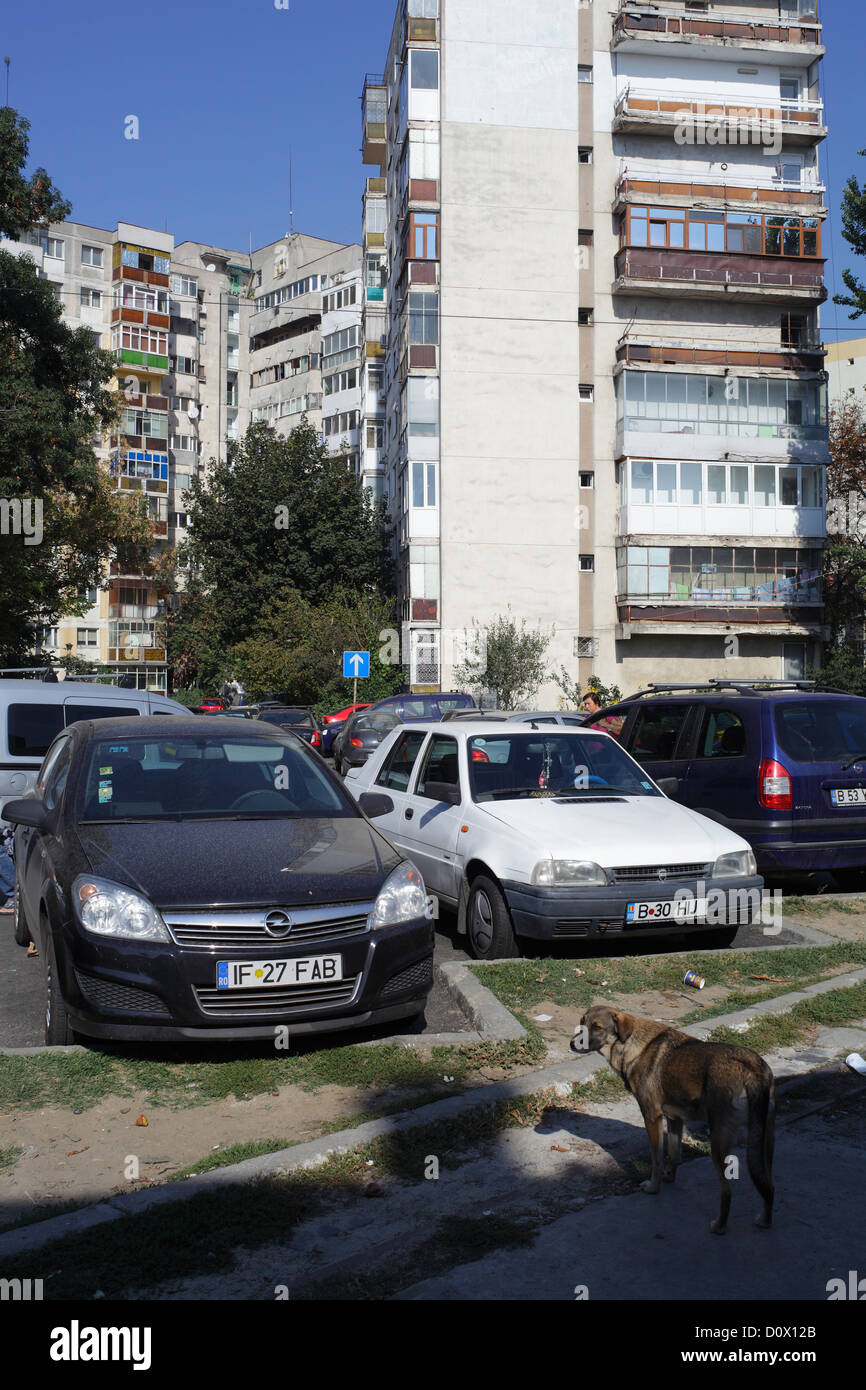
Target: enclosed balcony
x,y
800,352
666,497
641,111
374,115
772,26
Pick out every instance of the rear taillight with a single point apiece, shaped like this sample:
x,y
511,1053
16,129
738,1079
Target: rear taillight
x,y
316,739
356,743
774,786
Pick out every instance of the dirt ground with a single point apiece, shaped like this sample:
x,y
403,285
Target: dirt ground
x,y
834,916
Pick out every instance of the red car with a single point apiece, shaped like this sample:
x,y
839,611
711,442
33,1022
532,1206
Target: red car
x,y
333,723
212,705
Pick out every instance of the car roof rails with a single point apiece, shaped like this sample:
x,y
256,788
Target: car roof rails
x,y
714,685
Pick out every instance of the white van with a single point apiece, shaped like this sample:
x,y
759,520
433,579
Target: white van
x,y
32,713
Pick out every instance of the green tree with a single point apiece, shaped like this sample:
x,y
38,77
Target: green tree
x,y
507,659
854,232
60,515
574,691
281,513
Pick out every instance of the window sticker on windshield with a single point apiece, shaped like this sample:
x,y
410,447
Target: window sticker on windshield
x,y
105,794
106,771
121,748
646,784
105,783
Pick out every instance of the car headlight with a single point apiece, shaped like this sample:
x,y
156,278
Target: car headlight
x,y
739,863
109,909
576,873
402,897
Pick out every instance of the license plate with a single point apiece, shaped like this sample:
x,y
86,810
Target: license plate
x,y
671,910
848,796
262,974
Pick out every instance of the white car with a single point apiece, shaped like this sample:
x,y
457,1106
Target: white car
x,y
553,834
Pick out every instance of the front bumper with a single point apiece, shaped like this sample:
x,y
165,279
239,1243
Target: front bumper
x,y
167,992
560,913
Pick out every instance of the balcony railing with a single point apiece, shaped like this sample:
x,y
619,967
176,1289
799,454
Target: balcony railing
x,y
665,184
639,105
806,355
636,22
662,270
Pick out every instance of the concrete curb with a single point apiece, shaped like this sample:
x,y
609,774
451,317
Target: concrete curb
x,y
561,1077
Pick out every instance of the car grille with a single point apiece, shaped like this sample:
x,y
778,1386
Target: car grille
x,y
416,977
106,994
252,1003
227,930
664,873
582,926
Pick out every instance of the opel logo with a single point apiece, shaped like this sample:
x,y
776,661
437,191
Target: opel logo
x,y
278,924
663,873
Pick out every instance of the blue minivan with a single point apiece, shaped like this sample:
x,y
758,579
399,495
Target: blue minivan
x,y
781,763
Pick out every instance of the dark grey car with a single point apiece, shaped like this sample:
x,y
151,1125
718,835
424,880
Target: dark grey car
x,y
360,736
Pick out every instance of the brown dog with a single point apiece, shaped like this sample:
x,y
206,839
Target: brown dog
x,y
675,1077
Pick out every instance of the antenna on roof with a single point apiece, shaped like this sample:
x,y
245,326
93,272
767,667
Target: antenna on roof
x,y
291,198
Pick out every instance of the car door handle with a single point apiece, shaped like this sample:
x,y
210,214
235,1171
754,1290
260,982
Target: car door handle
x,y
409,813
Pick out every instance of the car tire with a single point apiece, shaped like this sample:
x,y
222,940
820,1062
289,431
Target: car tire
x,y
57,1028
488,921
19,921
719,939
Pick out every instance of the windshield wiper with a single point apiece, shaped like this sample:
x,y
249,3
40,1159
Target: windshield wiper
x,y
597,791
858,757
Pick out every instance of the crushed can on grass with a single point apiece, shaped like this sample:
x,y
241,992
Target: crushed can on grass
x,y
692,978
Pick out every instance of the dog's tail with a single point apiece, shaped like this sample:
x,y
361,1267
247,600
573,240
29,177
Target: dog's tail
x,y
761,1094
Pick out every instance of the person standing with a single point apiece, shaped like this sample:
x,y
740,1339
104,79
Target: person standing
x,y
591,702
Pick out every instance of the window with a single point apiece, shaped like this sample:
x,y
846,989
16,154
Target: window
x,y
424,9
753,233
55,777
57,290
423,318
585,391
587,563
584,154
184,286
440,764
722,735
32,728
87,637
54,247
91,255
584,317
584,74
91,299
584,236
423,484
424,69
654,733
587,480
398,766
584,646
179,519
423,236
795,330
789,88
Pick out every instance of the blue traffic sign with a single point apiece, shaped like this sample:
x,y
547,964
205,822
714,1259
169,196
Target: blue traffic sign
x,y
356,664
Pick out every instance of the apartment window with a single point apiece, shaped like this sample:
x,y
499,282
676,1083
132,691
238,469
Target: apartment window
x,y
186,365
584,317
375,436
184,286
423,484
91,299
57,290
584,236
755,233
586,391
789,88
752,407
587,480
422,407
584,74
587,563
340,381
795,330
584,154
423,236
54,247
87,637
424,9
584,646
91,255
424,69
723,574
179,519
423,318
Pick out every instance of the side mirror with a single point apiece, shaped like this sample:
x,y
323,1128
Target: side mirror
x,y
27,811
375,804
443,791
668,785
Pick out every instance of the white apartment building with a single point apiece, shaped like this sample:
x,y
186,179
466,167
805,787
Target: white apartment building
x,y
605,400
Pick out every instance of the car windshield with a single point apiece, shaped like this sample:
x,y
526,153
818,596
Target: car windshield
x,y
285,716
209,777
821,730
379,723
502,766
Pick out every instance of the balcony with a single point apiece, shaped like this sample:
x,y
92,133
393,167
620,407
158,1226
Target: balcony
x,y
669,190
645,30
806,355
641,111
690,500
374,99
707,275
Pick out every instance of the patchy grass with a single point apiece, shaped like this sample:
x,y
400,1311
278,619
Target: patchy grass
x,y
522,985
837,1007
820,906
181,1080
9,1157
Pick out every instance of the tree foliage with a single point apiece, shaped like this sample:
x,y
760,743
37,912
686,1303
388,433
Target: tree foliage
x,y
854,232
281,513
574,691
507,659
54,403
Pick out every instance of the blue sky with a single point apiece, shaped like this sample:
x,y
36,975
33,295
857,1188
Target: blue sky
x,y
223,89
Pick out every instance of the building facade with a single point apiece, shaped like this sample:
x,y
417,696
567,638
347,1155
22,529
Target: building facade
x,y
604,390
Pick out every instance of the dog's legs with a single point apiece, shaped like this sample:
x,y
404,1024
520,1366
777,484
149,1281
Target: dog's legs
x,y
722,1136
759,1154
656,1135
675,1148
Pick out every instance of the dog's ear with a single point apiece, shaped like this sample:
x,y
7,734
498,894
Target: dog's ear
x,y
624,1024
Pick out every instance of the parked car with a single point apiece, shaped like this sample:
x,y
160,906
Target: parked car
x,y
331,724
781,763
196,880
212,704
572,718
32,712
298,718
409,708
554,834
360,735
